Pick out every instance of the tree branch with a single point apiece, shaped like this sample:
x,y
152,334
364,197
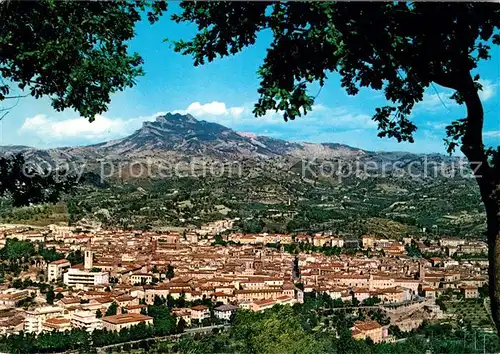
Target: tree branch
x,y
3,115
14,97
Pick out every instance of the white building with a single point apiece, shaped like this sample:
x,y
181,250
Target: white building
x,y
337,242
451,242
56,324
86,320
224,312
141,278
75,276
60,232
56,269
34,320
200,312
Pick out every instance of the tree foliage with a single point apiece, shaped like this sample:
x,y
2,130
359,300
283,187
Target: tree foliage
x,y
112,309
28,184
76,53
49,254
50,296
16,250
277,331
170,273
382,46
75,257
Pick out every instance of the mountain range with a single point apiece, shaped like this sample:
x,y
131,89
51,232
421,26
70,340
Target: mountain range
x,y
175,137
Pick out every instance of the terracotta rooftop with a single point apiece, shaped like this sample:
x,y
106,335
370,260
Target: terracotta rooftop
x,y
126,318
60,261
264,302
199,308
367,325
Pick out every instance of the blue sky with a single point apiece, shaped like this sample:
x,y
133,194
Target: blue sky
x,y
224,92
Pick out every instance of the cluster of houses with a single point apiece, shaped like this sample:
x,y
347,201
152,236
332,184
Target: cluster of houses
x,y
132,268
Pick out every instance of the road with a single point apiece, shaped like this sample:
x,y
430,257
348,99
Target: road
x,y
379,307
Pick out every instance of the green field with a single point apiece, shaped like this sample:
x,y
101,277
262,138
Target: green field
x,y
470,311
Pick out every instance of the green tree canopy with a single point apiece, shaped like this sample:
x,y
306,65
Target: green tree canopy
x,y
50,296
276,331
112,309
75,257
24,183
76,53
17,250
170,273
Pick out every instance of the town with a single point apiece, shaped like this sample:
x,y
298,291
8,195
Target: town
x,y
106,279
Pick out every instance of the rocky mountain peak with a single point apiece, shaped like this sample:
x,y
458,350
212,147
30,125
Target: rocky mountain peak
x,y
176,118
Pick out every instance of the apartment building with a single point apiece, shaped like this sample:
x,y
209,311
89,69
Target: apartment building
x,y
34,319
56,324
141,278
86,320
184,314
56,269
10,297
261,305
469,291
224,312
87,276
200,312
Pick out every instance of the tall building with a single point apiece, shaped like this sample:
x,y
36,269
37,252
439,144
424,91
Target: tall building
x,y
89,259
86,320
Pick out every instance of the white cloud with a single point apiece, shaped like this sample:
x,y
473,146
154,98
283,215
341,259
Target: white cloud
x,y
105,128
343,117
492,134
488,91
437,125
214,108
438,100
323,116
43,127
236,111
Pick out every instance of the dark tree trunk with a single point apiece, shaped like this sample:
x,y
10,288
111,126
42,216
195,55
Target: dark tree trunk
x,y
487,174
